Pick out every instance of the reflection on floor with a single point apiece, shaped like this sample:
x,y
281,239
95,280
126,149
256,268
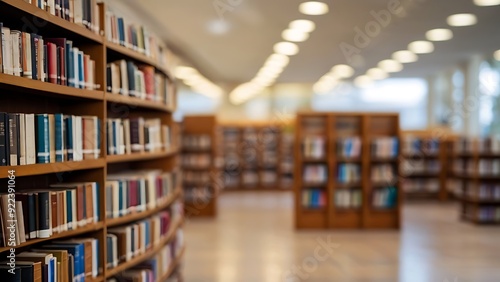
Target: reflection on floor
x,y
253,239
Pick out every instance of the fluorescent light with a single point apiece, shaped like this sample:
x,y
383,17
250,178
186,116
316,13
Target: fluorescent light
x,y
363,81
277,60
313,8
390,66
377,74
405,56
343,71
286,48
487,2
462,20
183,72
421,47
294,35
496,55
439,34
303,25
218,26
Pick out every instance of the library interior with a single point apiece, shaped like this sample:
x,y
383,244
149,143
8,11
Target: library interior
x,y
249,141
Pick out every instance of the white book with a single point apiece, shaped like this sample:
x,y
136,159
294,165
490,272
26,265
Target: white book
x,y
51,7
78,11
76,67
22,139
7,51
27,67
115,192
30,149
121,139
124,86
16,52
128,243
79,139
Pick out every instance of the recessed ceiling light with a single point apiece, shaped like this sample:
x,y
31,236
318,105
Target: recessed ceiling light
x,y
439,34
303,25
390,66
183,72
313,8
377,74
496,55
363,81
462,20
286,48
487,2
218,27
277,60
421,47
294,35
343,71
405,56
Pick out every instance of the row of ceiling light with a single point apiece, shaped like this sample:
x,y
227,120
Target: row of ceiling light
x,y
200,84
297,31
385,67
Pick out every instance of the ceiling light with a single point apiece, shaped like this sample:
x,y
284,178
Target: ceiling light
x,y
313,8
303,25
496,55
294,35
462,20
439,34
363,81
390,66
218,26
487,2
377,74
277,60
421,47
405,56
182,72
343,71
286,48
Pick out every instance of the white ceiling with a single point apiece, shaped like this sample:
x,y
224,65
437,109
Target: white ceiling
x,y
256,25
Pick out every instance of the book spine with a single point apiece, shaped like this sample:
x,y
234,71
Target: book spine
x,y
13,140
59,140
44,224
4,140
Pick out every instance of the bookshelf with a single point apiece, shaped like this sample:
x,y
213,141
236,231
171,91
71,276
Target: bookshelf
x,y
347,170
199,152
475,172
26,95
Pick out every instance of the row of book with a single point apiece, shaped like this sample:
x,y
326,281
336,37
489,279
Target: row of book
x,y
313,198
196,161
385,147
410,167
269,159
268,177
485,167
482,191
420,146
53,60
383,173
348,198
82,12
385,198
196,142
348,173
488,145
195,177
74,260
485,214
137,191
137,135
314,125
249,178
314,147
315,173
420,185
43,213
140,81
197,194
349,147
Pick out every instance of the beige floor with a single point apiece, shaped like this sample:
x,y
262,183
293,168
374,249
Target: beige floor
x,y
253,239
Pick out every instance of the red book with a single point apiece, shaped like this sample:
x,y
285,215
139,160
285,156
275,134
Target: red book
x,y
52,59
159,192
149,79
132,184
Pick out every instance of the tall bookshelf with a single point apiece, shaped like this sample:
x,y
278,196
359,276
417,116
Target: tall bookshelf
x,y
33,96
200,174
347,170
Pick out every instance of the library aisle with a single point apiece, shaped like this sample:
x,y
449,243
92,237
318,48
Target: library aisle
x,y
253,239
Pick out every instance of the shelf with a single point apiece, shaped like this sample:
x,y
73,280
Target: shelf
x,y
136,102
423,175
146,255
314,210
173,265
67,234
54,22
110,222
348,185
383,160
479,201
196,168
383,210
197,151
45,88
38,169
140,156
379,185
314,160
348,210
420,156
348,160
315,185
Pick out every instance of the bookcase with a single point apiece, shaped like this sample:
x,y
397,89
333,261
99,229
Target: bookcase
x,y
200,174
107,160
347,170
257,156
475,171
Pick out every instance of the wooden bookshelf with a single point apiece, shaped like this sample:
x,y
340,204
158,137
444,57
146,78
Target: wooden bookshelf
x,y
32,96
199,140
338,147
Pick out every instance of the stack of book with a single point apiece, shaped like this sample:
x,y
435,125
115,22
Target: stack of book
x,y
48,138
315,174
489,167
349,147
349,173
43,213
198,161
420,185
385,147
383,173
348,198
137,135
313,198
196,142
137,191
314,147
430,166
385,198
419,146
53,60
482,191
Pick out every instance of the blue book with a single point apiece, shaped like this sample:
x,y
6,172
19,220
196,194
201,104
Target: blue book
x,y
69,209
395,147
121,191
59,135
78,252
69,137
81,71
97,205
121,31
70,68
53,269
42,139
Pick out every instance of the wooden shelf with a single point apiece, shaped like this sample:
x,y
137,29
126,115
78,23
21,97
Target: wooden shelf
x,y
67,234
136,102
173,265
199,168
383,160
421,156
423,175
39,169
348,160
480,201
140,156
314,160
348,185
306,185
45,88
110,222
146,255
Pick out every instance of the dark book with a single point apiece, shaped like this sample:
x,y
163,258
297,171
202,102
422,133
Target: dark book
x,y
42,138
4,138
32,212
13,140
18,138
70,64
10,274
44,224
26,272
109,83
34,56
131,70
58,65
45,63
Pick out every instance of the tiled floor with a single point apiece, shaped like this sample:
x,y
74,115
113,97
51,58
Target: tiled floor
x,y
253,239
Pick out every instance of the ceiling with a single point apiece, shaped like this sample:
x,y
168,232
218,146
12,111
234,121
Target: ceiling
x,y
256,25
